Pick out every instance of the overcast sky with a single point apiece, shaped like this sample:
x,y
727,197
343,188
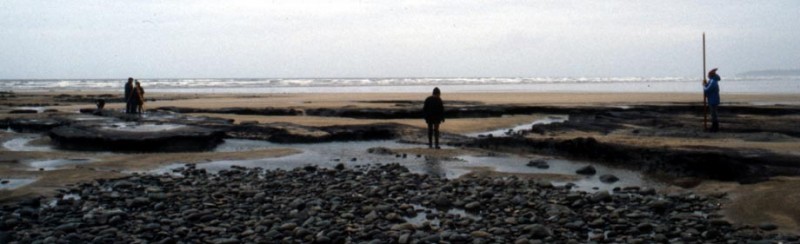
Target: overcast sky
x,y
216,39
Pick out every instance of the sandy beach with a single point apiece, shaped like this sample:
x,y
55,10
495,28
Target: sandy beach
x,y
673,131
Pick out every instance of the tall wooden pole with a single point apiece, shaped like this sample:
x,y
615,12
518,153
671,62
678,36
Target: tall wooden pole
x,y
705,99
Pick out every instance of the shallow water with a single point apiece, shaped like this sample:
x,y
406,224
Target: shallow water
x,y
355,153
14,183
54,164
518,164
523,127
133,127
38,109
321,154
22,144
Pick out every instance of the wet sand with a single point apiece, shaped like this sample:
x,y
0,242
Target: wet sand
x,y
752,204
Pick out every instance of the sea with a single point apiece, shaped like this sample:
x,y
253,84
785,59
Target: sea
x,y
732,84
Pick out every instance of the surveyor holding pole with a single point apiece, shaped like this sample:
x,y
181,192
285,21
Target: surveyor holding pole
x,y
711,91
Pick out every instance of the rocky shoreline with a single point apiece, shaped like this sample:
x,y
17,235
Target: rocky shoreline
x,y
373,204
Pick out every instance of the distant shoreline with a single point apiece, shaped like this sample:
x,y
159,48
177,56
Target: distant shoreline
x,y
730,85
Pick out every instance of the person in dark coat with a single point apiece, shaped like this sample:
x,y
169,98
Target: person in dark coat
x,y
128,93
433,111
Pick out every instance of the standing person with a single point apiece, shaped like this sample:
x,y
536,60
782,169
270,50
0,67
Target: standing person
x,y
140,98
711,90
128,92
433,111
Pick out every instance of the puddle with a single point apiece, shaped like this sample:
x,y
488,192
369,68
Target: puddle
x,y
524,127
57,163
10,184
517,164
37,109
240,145
320,154
423,213
132,127
22,144
779,103
353,154
92,118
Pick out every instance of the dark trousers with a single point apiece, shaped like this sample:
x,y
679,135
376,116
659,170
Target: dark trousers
x,y
433,134
130,107
714,118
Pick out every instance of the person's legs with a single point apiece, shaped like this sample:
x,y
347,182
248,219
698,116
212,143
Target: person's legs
x,y
714,119
430,135
436,134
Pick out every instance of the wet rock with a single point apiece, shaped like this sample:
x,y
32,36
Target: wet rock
x,y
371,204
225,241
719,222
23,111
403,226
586,170
539,163
687,182
442,201
380,151
472,206
91,137
537,231
288,226
601,196
68,227
480,234
36,125
660,205
608,178
403,239
767,226
249,122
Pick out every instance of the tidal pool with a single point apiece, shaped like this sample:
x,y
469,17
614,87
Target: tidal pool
x,y
14,183
22,143
53,164
523,127
133,127
353,154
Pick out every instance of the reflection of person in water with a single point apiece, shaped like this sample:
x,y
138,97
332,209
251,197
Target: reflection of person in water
x,y
433,166
433,112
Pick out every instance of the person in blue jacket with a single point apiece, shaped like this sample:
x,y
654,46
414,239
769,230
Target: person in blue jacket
x,y
711,90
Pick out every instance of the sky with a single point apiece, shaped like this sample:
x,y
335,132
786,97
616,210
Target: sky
x,y
74,39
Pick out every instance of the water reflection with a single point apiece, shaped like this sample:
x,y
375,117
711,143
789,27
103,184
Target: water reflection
x,y
524,127
10,184
353,154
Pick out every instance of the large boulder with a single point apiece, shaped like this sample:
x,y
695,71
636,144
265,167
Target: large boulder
x,y
136,137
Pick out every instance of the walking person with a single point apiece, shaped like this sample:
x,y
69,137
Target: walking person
x,y
139,98
433,111
711,90
128,92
